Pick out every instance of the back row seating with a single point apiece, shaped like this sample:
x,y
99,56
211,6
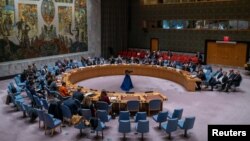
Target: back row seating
x,y
176,57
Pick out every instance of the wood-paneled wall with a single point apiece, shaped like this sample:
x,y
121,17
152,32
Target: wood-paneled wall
x,y
226,54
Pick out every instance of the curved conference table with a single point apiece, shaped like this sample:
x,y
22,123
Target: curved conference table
x,y
179,76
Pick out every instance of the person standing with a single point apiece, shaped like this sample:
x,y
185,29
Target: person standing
x,y
127,82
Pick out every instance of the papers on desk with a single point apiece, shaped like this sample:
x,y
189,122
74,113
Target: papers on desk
x,y
193,76
90,94
112,98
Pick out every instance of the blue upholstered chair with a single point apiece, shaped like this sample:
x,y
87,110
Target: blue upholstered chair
x,y
161,117
186,124
27,108
124,127
20,107
124,115
176,114
18,82
30,96
142,127
101,105
86,113
133,105
140,116
40,114
49,92
15,96
170,126
100,127
79,64
18,89
103,116
51,123
154,105
80,126
38,102
45,103
67,115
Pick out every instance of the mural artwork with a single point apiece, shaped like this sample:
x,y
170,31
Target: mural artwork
x,y
81,20
48,11
64,1
65,20
6,18
27,25
31,36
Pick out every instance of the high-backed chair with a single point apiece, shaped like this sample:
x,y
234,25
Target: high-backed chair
x,y
38,102
60,97
86,113
103,116
142,127
80,126
186,124
124,127
176,114
140,116
18,82
161,117
67,115
49,92
133,105
101,105
100,127
40,114
51,123
45,103
124,115
30,97
170,126
27,108
18,89
154,105
20,107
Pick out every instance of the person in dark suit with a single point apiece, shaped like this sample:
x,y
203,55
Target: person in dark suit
x,y
202,76
221,80
127,82
234,81
78,95
230,76
224,80
215,77
200,58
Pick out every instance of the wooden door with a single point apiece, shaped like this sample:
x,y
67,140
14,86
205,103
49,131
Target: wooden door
x,y
154,44
227,54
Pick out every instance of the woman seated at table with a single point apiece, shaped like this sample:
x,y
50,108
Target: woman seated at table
x,y
104,97
87,104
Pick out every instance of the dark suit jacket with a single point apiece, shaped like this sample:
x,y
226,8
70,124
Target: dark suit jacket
x,y
78,95
237,79
224,79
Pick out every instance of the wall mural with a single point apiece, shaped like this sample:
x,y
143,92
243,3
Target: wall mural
x,y
81,20
48,11
6,18
28,25
30,36
64,1
65,20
